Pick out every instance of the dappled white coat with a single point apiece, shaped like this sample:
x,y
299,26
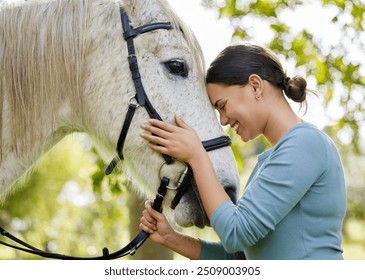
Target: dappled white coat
x,y
64,70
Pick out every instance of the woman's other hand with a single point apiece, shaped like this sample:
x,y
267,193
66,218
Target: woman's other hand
x,y
156,224
161,232
180,142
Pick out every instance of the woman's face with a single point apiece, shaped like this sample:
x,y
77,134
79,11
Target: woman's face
x,y
238,107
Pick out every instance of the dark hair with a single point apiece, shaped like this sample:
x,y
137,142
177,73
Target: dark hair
x,y
235,64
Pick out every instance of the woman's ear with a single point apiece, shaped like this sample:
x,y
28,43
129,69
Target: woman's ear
x,y
256,83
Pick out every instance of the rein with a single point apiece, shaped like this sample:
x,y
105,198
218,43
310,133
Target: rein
x,y
142,101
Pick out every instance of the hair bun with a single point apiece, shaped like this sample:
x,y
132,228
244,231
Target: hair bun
x,y
295,88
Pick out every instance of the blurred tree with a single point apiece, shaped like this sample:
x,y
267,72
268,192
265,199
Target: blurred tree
x,y
66,206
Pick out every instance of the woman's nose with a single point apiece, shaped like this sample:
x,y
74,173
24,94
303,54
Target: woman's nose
x,y
223,119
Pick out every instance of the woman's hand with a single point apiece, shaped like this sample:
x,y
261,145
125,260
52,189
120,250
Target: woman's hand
x,y
161,232
156,225
180,142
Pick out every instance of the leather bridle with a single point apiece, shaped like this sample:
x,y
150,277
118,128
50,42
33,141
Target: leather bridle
x,y
142,101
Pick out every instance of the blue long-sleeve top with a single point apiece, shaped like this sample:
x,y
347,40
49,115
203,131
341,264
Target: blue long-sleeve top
x,y
292,207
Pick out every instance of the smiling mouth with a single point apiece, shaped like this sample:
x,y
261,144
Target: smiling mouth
x,y
236,126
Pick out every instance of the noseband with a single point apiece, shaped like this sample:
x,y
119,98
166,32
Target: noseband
x,y
142,100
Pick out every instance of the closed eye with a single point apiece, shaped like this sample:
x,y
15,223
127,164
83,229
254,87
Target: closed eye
x,y
220,105
177,67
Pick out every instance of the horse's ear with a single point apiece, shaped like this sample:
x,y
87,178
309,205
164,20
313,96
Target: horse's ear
x,y
129,3
144,12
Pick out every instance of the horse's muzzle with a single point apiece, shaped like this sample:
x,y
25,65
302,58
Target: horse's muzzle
x,y
190,212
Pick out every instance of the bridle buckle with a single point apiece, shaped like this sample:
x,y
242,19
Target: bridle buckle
x,y
181,177
130,102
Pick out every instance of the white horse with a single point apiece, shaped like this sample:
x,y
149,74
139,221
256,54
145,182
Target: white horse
x,y
64,69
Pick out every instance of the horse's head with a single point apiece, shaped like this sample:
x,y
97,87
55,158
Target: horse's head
x,y
172,72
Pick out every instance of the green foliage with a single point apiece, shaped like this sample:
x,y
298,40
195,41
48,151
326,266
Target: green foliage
x,y
243,151
68,205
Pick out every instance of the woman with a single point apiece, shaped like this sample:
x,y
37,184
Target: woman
x,y
294,202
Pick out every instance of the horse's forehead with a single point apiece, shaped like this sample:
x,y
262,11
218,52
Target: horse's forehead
x,y
177,94
165,45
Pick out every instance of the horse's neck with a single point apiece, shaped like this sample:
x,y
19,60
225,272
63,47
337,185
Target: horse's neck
x,y
107,85
17,159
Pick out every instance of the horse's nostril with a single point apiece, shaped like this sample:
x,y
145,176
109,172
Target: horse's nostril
x,y
232,193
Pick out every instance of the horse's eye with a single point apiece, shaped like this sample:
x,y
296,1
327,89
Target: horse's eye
x,y
177,67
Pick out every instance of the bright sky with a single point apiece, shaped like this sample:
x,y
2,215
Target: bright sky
x,y
213,34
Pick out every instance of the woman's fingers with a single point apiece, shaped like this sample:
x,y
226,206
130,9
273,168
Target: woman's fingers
x,y
147,222
156,131
177,141
154,139
159,138
159,128
179,121
155,143
150,218
162,125
164,129
147,226
146,217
